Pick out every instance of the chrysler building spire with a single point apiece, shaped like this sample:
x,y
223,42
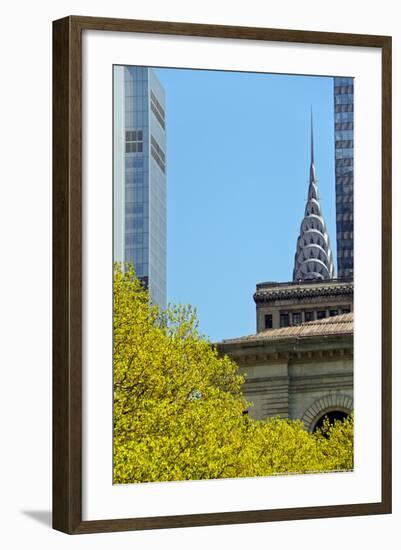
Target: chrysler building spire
x,y
313,257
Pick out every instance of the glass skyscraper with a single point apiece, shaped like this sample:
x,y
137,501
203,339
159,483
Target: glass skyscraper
x,y
140,225
344,166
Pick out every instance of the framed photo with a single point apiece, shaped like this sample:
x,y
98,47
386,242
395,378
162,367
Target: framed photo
x,y
203,176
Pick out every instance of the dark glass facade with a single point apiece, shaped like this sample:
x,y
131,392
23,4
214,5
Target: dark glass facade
x,y
344,167
140,176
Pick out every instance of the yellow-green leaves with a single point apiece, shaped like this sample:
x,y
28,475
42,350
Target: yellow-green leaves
x,y
336,442
178,406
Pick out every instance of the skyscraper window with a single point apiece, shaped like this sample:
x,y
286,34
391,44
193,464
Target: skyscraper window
x,y
344,166
140,216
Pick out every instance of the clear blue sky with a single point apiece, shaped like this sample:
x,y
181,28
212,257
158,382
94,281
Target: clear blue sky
x,y
238,154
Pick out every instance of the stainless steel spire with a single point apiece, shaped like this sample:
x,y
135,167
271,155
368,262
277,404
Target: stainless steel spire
x,y
313,257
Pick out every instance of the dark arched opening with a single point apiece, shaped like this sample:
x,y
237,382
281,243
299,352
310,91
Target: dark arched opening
x,y
331,416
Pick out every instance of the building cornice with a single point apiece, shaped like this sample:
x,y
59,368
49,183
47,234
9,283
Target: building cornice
x,y
271,293
316,348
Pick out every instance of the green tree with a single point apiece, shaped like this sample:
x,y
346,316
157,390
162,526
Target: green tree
x,y
336,441
279,446
179,408
177,405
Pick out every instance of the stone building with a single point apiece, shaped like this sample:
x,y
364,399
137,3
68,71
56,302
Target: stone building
x,y
280,305
303,371
299,364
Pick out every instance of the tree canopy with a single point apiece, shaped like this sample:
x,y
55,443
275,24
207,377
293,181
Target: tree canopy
x,y
179,411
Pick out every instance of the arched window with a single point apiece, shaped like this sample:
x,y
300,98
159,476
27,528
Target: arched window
x,y
331,416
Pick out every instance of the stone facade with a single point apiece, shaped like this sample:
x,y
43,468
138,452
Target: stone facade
x,y
287,304
302,372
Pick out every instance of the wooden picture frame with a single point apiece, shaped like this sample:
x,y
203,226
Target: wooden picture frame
x,y
67,273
